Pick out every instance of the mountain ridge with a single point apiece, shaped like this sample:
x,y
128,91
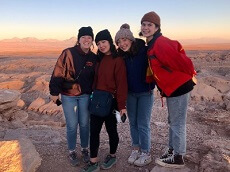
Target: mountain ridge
x,y
203,40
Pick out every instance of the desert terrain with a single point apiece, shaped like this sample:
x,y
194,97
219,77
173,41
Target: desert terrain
x,y
27,115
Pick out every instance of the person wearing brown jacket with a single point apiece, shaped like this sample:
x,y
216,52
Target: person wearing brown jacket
x,y
72,78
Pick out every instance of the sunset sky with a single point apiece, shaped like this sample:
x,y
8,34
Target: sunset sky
x,y
61,19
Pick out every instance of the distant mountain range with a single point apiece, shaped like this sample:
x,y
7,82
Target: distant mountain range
x,y
74,39
52,47
32,39
34,47
205,41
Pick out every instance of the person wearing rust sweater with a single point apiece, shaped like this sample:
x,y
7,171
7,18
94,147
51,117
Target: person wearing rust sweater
x,y
75,65
111,77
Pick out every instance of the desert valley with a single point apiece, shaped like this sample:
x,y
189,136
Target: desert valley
x,y
32,127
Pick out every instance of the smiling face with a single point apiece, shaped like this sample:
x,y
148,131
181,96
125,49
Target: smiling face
x,y
148,29
104,47
124,44
85,42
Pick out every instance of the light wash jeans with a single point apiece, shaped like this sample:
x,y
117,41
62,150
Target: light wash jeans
x,y
177,114
139,108
76,112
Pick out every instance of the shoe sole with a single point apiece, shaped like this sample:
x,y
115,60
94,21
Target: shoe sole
x,y
85,160
131,162
159,162
74,165
141,165
106,168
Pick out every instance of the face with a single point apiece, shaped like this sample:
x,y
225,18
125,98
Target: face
x,y
148,29
104,47
124,44
85,41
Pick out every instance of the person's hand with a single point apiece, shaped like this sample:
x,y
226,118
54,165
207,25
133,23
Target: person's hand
x,y
54,98
123,111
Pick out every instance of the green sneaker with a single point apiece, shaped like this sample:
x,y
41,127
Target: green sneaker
x,y
91,167
109,162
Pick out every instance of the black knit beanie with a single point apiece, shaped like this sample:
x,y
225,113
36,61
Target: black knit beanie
x,y
85,31
103,35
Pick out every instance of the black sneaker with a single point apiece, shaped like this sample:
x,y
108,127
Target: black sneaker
x,y
167,153
73,159
85,155
175,161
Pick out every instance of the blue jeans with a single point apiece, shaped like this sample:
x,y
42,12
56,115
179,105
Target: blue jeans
x,y
76,112
177,114
139,108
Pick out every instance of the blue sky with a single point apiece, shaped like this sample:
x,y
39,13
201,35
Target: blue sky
x,y
61,19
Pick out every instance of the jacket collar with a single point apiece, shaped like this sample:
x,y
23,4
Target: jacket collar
x,y
155,36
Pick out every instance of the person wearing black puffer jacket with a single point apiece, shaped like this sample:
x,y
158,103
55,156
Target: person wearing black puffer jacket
x,y
140,94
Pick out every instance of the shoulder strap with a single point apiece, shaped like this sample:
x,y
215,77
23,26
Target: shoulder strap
x,y
77,76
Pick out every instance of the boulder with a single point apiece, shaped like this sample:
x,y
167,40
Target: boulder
x,y
7,96
19,155
218,155
42,84
205,92
8,101
14,84
21,103
50,108
220,84
226,99
36,104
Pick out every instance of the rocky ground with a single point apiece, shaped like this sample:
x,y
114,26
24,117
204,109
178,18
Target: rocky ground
x,y
29,114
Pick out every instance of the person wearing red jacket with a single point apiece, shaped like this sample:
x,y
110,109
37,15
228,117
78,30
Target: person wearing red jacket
x,y
173,73
110,77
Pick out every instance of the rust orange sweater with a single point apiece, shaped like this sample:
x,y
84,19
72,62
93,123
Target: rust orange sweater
x,y
112,77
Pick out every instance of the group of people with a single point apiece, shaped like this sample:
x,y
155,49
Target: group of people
x,y
129,73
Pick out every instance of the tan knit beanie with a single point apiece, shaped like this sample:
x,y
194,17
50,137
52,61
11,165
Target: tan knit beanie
x,y
124,32
152,17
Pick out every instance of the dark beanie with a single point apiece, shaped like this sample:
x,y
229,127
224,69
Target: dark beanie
x,y
103,35
152,17
85,31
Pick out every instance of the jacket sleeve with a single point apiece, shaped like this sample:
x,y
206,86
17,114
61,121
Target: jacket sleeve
x,y
58,75
121,83
171,54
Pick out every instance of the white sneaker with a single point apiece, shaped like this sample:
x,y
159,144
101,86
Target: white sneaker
x,y
133,157
143,160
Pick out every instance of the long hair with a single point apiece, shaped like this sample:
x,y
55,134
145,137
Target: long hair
x,y
112,49
134,49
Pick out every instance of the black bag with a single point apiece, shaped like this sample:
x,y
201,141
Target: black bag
x,y
101,103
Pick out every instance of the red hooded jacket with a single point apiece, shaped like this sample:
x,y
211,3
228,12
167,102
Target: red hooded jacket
x,y
170,66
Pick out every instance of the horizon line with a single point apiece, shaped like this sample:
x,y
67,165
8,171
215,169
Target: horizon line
x,y
203,40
